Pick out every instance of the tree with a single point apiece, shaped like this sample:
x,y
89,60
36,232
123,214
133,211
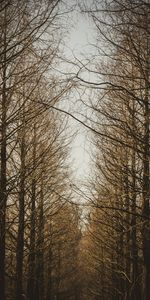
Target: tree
x,y
27,86
122,115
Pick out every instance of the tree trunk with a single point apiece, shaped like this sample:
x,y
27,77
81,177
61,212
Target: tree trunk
x,y
146,208
127,221
136,289
20,236
3,179
39,287
146,176
31,271
49,267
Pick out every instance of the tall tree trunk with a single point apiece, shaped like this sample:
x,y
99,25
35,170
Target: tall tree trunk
x,y
20,236
31,271
136,289
49,267
3,179
39,287
146,199
146,176
127,224
120,284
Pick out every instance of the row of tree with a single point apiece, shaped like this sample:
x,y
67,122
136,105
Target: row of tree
x,y
117,239
43,255
39,225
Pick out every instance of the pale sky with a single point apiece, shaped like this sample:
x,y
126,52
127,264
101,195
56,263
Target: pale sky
x,y
79,42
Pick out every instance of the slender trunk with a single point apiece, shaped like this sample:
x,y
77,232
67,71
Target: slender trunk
x,y
49,267
3,179
146,207
39,287
3,196
136,290
121,244
146,178
127,248
20,236
121,281
31,271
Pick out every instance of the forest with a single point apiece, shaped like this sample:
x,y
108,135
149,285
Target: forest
x,y
63,238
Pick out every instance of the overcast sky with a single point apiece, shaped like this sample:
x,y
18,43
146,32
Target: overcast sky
x,y
80,37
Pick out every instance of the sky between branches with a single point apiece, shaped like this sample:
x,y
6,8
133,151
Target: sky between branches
x,y
78,42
